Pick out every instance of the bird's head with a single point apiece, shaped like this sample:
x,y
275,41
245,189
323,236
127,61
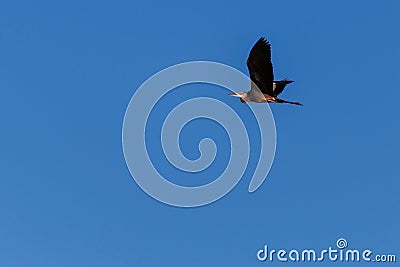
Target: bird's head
x,y
241,94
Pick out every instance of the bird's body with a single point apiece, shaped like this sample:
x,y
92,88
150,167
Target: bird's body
x,y
263,86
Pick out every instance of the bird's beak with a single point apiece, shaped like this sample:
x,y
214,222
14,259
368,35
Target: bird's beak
x,y
237,95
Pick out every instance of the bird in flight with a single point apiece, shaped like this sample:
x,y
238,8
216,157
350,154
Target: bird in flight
x,y
263,86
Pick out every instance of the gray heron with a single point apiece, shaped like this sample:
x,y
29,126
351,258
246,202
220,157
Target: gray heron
x,y
263,87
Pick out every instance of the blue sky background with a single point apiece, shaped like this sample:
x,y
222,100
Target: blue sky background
x,y
68,71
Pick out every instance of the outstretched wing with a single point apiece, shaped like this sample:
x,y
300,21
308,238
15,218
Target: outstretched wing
x,y
280,85
260,66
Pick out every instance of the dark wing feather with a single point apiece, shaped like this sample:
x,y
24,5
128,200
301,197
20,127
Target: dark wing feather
x,y
260,66
280,85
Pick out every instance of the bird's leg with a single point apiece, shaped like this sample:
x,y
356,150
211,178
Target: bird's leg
x,y
289,102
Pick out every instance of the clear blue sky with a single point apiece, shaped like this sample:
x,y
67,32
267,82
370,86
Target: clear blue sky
x,y
68,71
